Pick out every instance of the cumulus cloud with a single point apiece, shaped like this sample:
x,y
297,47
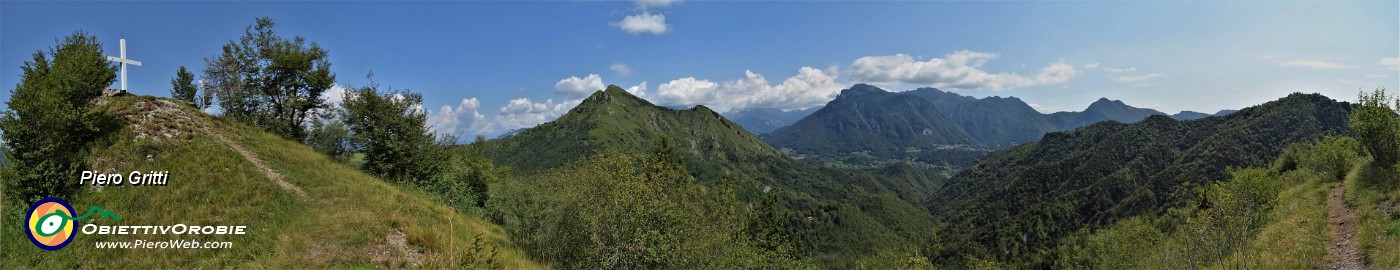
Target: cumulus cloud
x,y
332,98
523,113
639,90
1120,70
335,95
645,23
1091,66
579,87
810,87
1139,78
961,70
1392,63
621,69
1312,64
464,120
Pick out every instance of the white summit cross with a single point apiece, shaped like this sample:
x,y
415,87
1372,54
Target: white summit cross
x,y
124,61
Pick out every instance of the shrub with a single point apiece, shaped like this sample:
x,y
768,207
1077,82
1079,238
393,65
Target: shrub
x,y
1376,126
48,125
393,133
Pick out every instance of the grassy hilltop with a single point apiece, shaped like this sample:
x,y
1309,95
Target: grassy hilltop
x,y
301,209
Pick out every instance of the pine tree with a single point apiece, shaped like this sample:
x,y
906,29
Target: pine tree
x,y
182,86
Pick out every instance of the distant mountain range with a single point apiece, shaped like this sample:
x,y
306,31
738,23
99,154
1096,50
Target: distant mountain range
x,y
765,120
1098,174
866,123
836,214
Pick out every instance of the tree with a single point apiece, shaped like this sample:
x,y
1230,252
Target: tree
x,y
48,125
392,131
1376,124
330,136
182,86
270,81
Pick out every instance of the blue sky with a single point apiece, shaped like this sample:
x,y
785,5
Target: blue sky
x,y
488,67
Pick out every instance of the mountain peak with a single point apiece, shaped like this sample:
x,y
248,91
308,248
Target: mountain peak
x,y
1105,103
612,94
860,87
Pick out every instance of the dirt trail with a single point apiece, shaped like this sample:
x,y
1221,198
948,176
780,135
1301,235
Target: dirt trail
x,y
276,177
1342,251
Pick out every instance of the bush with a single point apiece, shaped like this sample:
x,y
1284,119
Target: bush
x,y
393,133
463,180
1332,155
1376,126
329,135
48,125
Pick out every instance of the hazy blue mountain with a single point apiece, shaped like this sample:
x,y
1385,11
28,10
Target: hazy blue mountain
x,y
995,121
1190,115
765,120
866,121
1101,110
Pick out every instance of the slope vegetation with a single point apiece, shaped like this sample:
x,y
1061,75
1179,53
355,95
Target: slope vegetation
x,y
1099,174
829,215
301,209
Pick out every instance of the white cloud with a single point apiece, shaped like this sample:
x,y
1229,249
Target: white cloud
x,y
1392,63
332,98
1139,78
810,87
1120,70
645,23
335,95
1376,76
1091,66
686,90
464,121
1348,81
1312,64
579,87
523,113
645,4
960,69
621,69
639,90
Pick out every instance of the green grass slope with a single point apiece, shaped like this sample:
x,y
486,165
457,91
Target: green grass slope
x,y
834,215
341,218
1102,173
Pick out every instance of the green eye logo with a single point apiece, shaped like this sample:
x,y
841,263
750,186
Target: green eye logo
x,y
49,225
50,222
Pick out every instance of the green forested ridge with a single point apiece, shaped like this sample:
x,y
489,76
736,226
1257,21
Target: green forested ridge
x,y
1096,175
830,216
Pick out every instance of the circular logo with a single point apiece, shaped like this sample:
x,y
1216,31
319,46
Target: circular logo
x,y
50,223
